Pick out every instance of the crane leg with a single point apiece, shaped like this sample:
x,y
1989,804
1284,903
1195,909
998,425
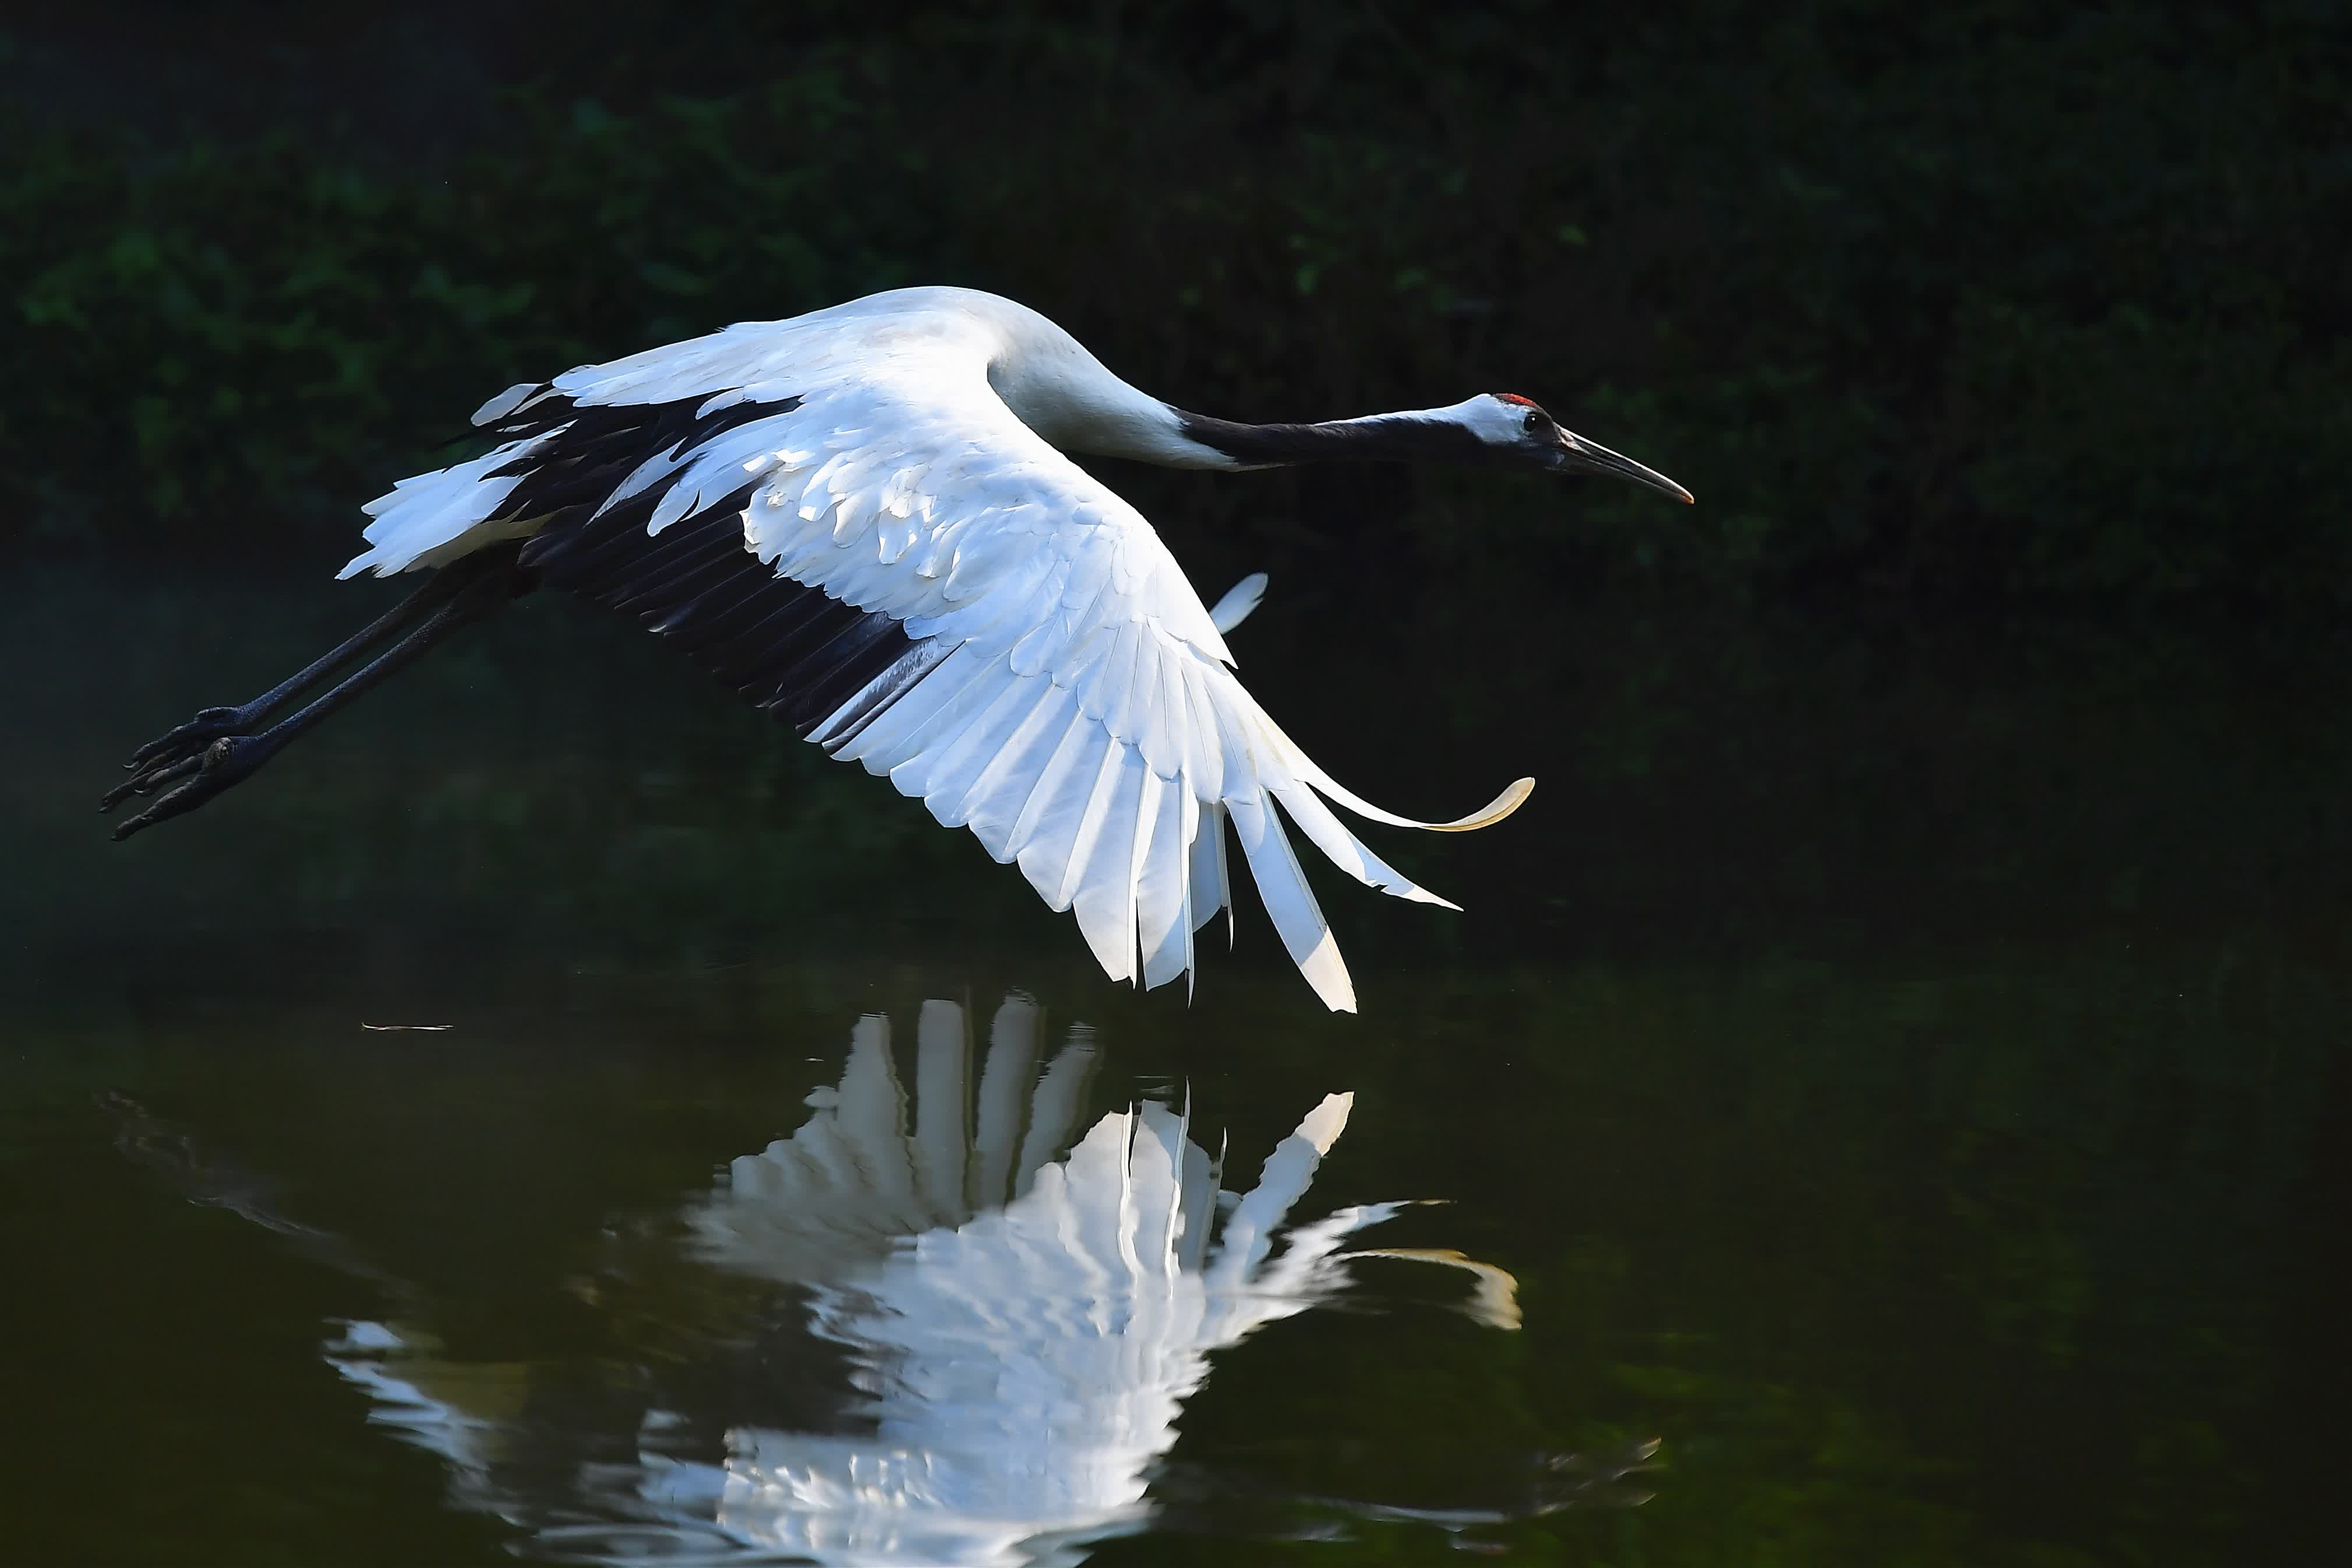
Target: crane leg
x,y
221,747
211,724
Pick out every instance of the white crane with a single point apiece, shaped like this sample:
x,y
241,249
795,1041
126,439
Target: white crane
x,y
866,521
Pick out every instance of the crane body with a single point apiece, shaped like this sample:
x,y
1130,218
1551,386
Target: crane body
x,y
868,519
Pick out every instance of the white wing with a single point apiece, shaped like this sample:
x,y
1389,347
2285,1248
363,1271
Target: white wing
x,y
939,594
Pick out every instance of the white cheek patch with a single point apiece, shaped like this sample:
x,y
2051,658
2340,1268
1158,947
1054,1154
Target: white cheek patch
x,y
1486,416
1494,421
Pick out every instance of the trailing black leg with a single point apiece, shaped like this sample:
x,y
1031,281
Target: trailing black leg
x,y
209,763
210,724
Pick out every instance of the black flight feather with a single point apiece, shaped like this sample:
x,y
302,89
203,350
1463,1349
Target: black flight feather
x,y
786,645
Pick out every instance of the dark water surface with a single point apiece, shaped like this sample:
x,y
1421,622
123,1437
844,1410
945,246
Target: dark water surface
x,y
377,1189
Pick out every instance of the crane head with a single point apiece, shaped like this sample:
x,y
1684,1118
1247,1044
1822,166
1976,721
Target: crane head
x,y
1519,430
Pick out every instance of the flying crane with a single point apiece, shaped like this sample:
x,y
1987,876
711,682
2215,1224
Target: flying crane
x,y
867,520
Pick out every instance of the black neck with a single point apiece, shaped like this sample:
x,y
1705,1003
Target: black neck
x,y
1397,439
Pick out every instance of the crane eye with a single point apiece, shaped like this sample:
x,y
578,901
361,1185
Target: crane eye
x,y
1534,423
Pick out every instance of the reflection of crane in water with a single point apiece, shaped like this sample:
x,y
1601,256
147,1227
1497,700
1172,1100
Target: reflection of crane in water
x,y
924,1327
864,519
1019,1328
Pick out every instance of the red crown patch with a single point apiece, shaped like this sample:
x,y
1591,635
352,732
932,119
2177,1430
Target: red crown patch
x,y
1514,397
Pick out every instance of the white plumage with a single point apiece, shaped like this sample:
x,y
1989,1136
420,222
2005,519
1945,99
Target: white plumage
x,y
1032,664
1024,1315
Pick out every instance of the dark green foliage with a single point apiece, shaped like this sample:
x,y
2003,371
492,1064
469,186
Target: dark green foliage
x,y
246,342
1991,302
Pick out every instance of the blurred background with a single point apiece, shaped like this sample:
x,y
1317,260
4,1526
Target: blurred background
x,y
2008,653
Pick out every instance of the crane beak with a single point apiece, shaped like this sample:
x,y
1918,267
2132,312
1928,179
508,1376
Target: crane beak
x,y
1578,455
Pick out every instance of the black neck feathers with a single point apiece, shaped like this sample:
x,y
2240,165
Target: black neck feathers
x,y
1400,438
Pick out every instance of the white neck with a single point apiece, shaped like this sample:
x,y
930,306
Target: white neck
x,y
1066,394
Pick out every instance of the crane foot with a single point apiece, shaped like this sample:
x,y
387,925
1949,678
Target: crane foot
x,y
230,760
189,739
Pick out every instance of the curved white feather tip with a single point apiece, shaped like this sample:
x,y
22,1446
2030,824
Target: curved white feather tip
x,y
1240,599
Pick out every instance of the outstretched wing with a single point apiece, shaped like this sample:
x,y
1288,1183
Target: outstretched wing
x,y
876,548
